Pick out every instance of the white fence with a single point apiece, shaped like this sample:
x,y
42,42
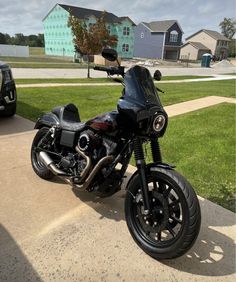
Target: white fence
x,y
14,50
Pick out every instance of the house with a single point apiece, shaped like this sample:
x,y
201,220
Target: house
x,y
59,38
193,51
203,41
158,39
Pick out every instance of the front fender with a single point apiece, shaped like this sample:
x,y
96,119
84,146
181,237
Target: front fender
x,y
152,167
47,120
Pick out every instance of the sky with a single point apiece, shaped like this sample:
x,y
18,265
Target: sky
x,y
25,16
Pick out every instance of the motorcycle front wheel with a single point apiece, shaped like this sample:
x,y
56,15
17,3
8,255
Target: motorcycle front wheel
x,y
173,224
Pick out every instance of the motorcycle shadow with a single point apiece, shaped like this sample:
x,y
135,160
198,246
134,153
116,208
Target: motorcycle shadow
x,y
213,253
110,207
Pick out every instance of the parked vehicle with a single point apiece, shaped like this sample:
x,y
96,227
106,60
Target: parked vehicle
x,y
161,208
7,91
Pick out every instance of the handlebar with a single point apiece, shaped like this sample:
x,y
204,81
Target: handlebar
x,y
111,70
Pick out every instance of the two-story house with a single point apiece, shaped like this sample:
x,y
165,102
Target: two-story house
x,y
205,41
158,39
59,38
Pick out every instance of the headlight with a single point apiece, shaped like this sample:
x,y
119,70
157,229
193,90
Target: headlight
x,y
159,123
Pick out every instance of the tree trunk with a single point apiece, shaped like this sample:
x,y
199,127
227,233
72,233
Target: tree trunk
x,y
88,76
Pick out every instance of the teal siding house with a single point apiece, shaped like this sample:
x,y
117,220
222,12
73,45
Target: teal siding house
x,y
59,39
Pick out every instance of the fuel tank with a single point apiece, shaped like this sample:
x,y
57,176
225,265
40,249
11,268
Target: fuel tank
x,y
107,122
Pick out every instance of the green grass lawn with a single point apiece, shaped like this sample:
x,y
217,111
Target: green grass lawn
x,y
36,51
41,61
36,59
202,146
62,80
38,65
92,100
90,80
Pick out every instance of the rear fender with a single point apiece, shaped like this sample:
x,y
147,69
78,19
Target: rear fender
x,y
150,168
47,120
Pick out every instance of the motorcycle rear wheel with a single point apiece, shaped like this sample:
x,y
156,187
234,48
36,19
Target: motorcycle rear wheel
x,y
173,224
39,168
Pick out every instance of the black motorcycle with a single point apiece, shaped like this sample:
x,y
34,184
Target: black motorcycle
x,y
161,208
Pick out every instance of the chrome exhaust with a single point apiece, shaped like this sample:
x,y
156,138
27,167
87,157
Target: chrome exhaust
x,y
86,183
49,163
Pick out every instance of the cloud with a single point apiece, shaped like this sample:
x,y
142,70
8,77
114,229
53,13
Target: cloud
x,y
26,17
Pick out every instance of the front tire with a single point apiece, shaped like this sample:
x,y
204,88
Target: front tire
x,y
39,168
9,111
173,224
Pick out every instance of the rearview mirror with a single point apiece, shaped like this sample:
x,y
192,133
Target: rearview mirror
x,y
109,54
157,75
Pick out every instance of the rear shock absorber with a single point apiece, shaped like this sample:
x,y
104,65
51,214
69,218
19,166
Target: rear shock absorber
x,y
156,151
49,136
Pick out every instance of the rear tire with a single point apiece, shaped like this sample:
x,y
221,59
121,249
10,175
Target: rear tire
x,y
39,168
174,222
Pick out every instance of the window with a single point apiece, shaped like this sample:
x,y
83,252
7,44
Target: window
x,y
125,48
126,31
109,29
142,35
173,36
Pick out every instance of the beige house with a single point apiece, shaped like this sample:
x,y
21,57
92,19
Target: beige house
x,y
205,41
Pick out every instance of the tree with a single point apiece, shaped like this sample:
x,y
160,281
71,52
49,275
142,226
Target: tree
x,y
91,39
232,48
3,38
228,27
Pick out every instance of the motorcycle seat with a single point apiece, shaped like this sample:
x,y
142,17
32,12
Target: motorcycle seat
x,y
69,118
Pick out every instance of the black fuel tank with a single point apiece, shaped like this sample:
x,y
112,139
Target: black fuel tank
x,y
106,122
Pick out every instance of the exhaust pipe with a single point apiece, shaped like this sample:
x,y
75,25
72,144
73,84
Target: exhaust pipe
x,y
49,163
86,183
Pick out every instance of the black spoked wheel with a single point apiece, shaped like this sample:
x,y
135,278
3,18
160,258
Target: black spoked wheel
x,y
173,224
40,169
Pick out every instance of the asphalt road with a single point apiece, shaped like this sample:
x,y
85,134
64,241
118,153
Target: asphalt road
x,y
49,233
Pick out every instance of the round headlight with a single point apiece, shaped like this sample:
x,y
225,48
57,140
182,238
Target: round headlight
x,y
159,123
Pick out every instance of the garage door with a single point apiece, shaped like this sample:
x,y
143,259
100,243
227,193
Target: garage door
x,y
171,55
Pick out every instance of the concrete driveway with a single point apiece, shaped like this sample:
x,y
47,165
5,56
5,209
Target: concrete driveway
x,y
48,233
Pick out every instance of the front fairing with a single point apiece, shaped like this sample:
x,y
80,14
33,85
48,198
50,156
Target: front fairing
x,y
140,101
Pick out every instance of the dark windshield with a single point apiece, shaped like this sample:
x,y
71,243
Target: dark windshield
x,y
140,88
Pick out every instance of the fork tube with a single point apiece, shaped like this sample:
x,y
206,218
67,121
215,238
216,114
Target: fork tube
x,y
156,151
141,166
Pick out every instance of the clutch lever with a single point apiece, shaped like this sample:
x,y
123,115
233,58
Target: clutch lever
x,y
158,89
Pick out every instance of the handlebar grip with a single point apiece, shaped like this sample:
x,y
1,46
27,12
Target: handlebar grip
x,y
101,68
111,70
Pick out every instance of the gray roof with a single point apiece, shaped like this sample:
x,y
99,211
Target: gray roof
x,y
160,26
215,34
83,13
198,45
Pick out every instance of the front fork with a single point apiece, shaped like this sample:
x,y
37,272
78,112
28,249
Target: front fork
x,y
141,166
